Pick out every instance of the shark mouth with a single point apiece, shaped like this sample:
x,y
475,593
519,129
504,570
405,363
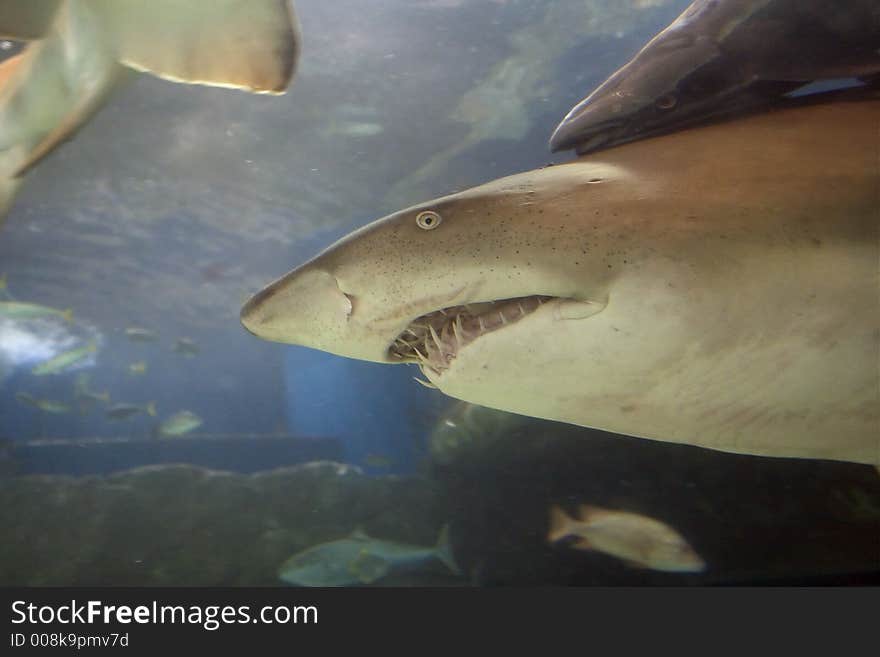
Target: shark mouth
x,y
433,340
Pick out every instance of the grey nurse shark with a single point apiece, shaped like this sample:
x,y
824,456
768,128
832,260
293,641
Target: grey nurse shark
x,y
715,287
722,57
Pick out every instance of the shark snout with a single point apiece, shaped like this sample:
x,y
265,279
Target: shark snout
x,y
301,307
307,307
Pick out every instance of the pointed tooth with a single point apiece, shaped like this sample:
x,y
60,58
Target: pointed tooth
x,y
480,322
442,312
421,357
436,339
503,319
427,384
458,330
521,311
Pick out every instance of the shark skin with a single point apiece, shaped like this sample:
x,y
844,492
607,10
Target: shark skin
x,y
715,287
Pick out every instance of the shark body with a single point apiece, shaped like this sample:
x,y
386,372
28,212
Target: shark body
x,y
715,287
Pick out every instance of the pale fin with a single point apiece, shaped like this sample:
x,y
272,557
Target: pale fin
x,y
560,524
8,189
24,20
8,67
53,86
444,551
80,112
245,44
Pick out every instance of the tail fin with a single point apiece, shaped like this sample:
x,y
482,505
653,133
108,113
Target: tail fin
x,y
444,551
560,524
151,409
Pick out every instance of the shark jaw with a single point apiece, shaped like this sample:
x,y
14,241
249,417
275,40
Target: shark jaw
x,y
430,333
435,339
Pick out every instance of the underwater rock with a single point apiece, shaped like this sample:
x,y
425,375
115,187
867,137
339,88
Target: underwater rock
x,y
181,525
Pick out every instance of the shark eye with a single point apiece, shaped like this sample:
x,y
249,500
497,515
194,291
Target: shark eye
x,y
666,102
428,220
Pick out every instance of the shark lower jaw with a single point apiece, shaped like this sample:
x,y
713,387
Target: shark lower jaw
x,y
433,340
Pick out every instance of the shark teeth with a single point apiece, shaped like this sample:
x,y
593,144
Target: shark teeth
x,y
432,341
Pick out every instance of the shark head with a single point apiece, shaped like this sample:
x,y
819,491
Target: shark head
x,y
652,91
646,291
437,282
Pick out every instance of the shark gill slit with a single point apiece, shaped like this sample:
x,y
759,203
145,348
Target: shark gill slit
x,y
433,340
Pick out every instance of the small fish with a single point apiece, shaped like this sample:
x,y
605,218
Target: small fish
x,y
123,411
137,368
641,541
64,360
45,405
23,310
359,559
136,334
186,346
180,423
